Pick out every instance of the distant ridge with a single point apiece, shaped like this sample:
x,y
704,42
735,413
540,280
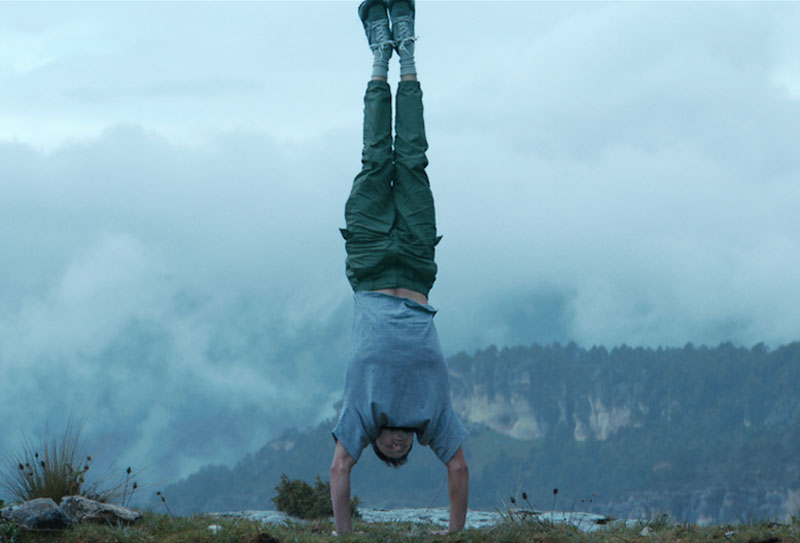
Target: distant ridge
x,y
708,435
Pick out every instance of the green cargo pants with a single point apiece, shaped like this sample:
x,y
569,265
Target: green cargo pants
x,y
391,223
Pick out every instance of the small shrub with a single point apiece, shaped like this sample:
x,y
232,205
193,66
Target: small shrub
x,y
299,499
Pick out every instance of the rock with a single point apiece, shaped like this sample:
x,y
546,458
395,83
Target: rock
x,y
43,513
39,514
80,509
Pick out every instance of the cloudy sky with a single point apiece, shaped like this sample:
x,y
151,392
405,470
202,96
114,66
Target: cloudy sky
x,y
172,179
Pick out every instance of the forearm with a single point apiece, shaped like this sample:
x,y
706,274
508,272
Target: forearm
x,y
458,486
340,498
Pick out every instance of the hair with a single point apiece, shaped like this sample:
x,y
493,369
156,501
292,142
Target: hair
x,y
391,462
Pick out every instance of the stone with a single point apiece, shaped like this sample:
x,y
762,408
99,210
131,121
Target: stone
x,y
38,514
80,509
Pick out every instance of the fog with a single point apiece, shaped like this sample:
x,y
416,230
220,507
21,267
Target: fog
x,y
173,177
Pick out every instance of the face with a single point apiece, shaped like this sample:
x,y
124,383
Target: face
x,y
394,443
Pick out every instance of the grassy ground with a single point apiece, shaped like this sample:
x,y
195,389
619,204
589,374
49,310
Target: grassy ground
x,y
164,529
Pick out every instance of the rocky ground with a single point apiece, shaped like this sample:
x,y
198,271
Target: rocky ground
x,y
586,522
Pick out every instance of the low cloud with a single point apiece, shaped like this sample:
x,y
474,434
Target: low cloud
x,y
189,293
172,294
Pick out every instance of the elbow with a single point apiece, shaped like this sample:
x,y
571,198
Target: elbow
x,y
339,469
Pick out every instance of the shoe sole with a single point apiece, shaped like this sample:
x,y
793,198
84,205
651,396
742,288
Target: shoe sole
x,y
363,9
411,5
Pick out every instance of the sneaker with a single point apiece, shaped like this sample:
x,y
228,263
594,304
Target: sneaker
x,y
402,25
377,27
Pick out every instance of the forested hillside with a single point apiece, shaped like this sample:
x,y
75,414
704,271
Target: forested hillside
x,y
706,434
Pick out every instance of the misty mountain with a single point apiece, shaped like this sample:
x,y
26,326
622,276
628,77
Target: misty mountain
x,y
706,434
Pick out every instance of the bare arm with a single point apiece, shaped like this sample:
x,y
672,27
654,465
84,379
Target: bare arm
x,y
458,487
340,488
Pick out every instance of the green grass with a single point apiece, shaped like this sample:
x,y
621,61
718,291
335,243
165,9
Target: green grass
x,y
164,529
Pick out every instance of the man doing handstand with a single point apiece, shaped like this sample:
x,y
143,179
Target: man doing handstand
x,y
397,383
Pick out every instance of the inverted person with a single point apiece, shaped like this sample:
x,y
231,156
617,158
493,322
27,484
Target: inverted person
x,y
397,385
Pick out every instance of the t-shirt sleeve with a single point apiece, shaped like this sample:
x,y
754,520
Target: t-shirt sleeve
x,y
448,436
351,433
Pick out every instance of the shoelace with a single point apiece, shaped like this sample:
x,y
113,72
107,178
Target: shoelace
x,y
378,34
402,46
403,28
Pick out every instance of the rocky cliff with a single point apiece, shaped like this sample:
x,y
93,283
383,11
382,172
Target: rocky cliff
x,y
732,412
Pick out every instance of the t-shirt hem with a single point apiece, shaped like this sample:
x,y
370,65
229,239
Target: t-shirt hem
x,y
444,459
348,447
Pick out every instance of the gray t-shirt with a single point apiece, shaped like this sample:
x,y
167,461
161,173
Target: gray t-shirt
x,y
397,377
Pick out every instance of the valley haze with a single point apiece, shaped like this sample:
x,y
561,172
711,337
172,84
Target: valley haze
x,y
173,177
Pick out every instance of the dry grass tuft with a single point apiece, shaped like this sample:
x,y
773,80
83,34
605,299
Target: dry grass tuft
x,y
56,468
